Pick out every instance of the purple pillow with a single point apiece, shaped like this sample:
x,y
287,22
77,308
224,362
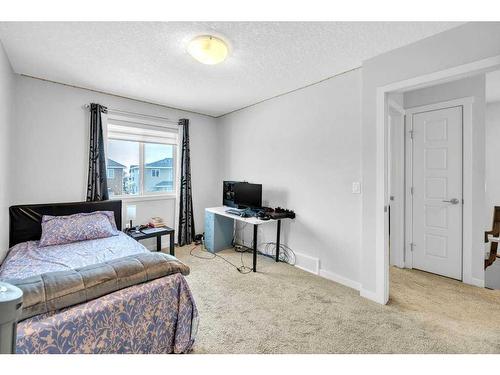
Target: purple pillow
x,y
59,230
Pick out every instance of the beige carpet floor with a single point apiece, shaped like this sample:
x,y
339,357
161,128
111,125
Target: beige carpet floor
x,y
282,309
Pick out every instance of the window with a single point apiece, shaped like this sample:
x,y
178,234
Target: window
x,y
159,163
124,157
144,156
111,173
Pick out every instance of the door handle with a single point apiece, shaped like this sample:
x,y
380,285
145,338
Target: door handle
x,y
452,201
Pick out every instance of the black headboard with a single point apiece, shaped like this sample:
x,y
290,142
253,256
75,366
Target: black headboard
x,y
25,220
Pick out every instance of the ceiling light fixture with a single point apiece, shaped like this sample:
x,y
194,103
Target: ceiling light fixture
x,y
208,49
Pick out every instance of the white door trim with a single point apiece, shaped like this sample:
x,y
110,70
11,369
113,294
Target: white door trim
x,y
397,182
381,294
467,243
408,224
441,105
396,106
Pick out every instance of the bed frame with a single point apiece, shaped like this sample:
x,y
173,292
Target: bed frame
x,y
25,220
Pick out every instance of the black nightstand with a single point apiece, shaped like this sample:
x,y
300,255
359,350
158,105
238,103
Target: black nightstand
x,y
162,231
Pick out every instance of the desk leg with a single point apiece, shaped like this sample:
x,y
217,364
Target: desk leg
x,y
255,248
172,248
278,241
158,243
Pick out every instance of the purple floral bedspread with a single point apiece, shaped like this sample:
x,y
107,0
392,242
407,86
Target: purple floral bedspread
x,y
28,258
156,317
159,316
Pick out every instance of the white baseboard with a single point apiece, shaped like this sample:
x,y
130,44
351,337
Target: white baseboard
x,y
340,279
477,282
312,265
307,263
371,296
469,280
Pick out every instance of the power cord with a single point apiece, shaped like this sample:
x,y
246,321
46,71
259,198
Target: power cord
x,y
286,254
211,256
241,269
237,230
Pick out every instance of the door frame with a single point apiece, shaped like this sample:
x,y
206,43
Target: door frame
x,y
466,149
381,265
397,181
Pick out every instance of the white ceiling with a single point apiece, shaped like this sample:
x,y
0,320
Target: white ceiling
x,y
147,60
493,86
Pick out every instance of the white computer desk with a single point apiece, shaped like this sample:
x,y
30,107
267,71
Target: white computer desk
x,y
221,211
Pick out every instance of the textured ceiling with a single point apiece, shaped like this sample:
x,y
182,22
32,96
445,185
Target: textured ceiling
x,y
147,60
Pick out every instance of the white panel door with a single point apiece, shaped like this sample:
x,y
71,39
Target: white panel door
x,y
437,191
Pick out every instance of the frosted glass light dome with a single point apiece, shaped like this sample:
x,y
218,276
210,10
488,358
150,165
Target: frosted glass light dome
x,y
208,49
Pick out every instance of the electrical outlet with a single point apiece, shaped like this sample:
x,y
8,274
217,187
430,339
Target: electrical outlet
x,y
356,187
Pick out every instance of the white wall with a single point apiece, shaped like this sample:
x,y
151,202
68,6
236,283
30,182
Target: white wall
x,y
461,45
50,147
6,100
304,148
469,87
492,157
492,273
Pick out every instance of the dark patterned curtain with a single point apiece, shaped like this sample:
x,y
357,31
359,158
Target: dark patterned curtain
x,y
97,187
186,218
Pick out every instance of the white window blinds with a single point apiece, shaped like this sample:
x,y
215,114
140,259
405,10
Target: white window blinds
x,y
141,130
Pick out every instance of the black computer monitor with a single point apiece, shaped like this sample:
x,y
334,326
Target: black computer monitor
x,y
247,195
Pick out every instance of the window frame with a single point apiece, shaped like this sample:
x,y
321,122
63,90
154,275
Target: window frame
x,y
143,195
108,174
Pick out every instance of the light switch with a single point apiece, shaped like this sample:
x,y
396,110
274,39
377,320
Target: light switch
x,y
356,187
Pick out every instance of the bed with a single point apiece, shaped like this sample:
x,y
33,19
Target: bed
x,y
158,316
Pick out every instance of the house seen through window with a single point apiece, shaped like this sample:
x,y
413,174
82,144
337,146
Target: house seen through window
x,y
139,167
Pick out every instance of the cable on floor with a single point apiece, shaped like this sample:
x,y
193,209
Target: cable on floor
x,y
268,249
241,269
286,253
211,256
